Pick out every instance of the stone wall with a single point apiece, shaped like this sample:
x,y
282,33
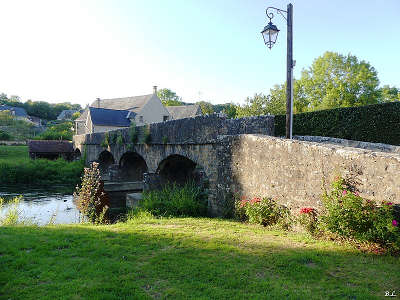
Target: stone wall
x,y
297,172
198,130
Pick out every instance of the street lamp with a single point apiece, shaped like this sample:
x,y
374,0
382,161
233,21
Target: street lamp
x,y
270,34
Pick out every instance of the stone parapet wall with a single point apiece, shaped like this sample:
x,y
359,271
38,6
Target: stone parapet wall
x,y
296,173
198,130
349,143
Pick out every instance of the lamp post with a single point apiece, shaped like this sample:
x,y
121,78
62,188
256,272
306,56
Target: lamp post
x,y
270,34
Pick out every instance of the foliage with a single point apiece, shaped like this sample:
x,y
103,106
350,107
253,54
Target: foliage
x,y
308,218
265,211
90,198
120,139
133,133
389,94
18,129
17,168
146,135
40,109
76,115
370,123
5,136
164,140
169,98
61,131
335,80
11,216
230,110
106,141
351,216
175,200
206,107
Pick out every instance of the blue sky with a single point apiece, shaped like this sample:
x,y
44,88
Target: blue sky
x,y
204,50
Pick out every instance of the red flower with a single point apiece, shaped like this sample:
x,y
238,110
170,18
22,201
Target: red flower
x,y
243,203
395,223
255,200
306,210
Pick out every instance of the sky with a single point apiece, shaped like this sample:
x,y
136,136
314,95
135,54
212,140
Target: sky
x,y
210,50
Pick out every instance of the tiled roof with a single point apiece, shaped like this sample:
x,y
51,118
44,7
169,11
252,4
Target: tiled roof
x,y
134,104
109,117
50,146
66,114
18,111
184,111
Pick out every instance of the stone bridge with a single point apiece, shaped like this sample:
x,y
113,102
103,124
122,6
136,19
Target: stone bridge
x,y
238,156
175,151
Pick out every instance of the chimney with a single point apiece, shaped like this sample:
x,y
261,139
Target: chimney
x,y
155,89
98,102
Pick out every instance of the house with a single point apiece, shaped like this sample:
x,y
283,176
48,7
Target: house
x,y
66,114
50,149
143,110
184,111
103,119
18,112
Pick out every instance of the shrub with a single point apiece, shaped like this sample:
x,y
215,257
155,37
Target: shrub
x,y
265,211
133,134
175,200
62,131
370,123
11,216
5,136
351,216
147,135
308,218
90,198
106,141
164,140
120,139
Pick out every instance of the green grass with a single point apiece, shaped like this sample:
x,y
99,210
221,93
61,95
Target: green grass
x,y
17,168
185,258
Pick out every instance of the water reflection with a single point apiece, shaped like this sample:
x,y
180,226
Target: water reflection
x,y
42,206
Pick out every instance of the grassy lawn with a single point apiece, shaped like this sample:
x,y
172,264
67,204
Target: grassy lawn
x,y
17,168
185,258
14,154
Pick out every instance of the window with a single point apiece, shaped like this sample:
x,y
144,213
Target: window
x,y
141,119
165,118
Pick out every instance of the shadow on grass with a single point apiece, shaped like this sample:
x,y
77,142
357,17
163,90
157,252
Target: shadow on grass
x,y
184,259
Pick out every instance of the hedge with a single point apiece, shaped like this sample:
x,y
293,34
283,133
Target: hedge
x,y
377,123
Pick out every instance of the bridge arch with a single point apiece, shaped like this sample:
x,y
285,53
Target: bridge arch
x,y
77,154
179,169
105,160
132,166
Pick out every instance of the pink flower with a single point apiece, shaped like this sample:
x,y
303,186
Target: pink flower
x,y
357,194
395,223
255,200
344,192
389,203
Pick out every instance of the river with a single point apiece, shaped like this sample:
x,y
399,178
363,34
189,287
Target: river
x,y
42,206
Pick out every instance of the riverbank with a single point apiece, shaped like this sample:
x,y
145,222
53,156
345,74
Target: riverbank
x,y
17,168
185,258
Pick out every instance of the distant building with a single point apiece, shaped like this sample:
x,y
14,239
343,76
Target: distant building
x,y
143,110
18,112
103,119
184,111
50,149
66,114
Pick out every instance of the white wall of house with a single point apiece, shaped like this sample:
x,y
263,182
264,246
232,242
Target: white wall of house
x,y
152,112
97,128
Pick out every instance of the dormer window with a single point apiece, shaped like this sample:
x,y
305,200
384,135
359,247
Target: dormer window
x,y
165,118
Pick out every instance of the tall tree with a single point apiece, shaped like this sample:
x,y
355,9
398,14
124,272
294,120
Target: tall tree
x,y
335,80
169,98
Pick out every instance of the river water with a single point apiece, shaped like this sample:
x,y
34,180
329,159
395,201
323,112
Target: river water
x,y
41,206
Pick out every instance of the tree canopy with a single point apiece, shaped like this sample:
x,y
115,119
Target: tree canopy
x,y
333,80
169,98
